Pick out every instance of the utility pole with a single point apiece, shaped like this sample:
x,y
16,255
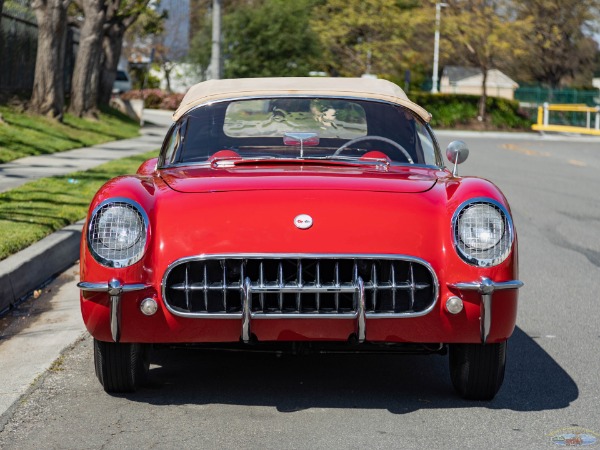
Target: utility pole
x,y
436,47
215,59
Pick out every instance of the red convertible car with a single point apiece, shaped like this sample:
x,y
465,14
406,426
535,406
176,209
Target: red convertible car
x,y
312,212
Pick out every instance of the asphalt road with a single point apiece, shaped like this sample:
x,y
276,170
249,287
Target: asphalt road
x,y
200,400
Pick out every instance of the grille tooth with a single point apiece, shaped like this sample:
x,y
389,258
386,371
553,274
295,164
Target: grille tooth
x,y
412,288
318,284
393,277
301,285
262,284
337,285
187,286
281,284
374,285
205,287
224,285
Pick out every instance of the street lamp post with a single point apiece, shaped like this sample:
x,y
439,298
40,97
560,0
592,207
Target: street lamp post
x,y
436,47
215,60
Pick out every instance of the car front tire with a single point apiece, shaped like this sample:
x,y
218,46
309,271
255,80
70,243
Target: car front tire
x,y
477,370
121,368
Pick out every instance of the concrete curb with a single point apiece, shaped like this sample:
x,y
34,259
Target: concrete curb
x,y
24,271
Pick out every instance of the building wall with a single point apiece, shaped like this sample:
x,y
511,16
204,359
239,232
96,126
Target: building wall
x,y
493,90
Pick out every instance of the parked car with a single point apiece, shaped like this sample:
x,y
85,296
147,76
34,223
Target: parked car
x,y
312,212
122,82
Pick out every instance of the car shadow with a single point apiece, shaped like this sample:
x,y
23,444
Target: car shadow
x,y
398,383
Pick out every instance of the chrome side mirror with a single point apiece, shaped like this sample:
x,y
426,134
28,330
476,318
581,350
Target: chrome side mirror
x,y
457,153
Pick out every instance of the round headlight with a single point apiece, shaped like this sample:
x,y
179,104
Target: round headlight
x,y
483,232
481,226
118,232
119,227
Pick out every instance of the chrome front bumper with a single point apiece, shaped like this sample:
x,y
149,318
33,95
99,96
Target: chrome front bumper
x,y
486,288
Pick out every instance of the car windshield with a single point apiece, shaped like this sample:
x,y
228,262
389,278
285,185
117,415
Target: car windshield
x,y
334,129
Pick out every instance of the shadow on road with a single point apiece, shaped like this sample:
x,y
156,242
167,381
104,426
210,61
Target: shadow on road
x,y
398,383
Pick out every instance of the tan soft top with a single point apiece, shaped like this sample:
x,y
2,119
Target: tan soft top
x,y
364,88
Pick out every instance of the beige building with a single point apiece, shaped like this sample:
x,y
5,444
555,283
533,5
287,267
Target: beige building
x,y
468,80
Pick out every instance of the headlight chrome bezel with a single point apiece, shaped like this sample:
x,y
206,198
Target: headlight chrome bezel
x,y
484,257
113,257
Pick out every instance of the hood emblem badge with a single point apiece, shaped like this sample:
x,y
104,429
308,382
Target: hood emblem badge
x,y
303,221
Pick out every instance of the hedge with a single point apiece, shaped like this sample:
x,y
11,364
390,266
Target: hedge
x,y
452,110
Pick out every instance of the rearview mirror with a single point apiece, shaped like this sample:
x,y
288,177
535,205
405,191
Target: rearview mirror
x,y
457,153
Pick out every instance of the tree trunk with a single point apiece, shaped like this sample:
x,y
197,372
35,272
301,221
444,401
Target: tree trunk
x,y
48,96
119,16
84,88
167,69
112,44
483,98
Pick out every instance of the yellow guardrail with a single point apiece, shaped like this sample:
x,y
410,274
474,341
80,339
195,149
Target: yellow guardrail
x,y
543,119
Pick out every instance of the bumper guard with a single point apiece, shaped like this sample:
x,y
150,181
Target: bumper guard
x,y
115,289
486,287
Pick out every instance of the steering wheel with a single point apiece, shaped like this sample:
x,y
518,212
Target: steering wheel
x,y
374,138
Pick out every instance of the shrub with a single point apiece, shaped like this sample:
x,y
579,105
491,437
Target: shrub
x,y
452,110
155,98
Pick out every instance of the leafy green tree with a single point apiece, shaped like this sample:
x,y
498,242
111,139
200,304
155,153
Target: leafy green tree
x,y
269,38
559,46
484,34
366,36
200,45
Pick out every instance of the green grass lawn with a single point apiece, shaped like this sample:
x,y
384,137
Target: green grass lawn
x,y
23,134
36,209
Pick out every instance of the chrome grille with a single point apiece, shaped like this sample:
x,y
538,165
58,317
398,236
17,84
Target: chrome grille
x,y
299,285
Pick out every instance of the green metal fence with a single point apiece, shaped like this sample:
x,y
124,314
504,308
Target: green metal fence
x,y
538,95
18,46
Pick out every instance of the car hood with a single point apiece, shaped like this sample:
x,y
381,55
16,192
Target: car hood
x,y
209,179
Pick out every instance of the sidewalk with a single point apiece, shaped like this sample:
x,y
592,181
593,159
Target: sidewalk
x,y
24,271
21,171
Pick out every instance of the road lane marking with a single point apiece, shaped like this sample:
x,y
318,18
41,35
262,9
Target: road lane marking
x,y
523,150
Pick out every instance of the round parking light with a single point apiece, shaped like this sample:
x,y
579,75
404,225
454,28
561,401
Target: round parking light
x,y
149,306
454,305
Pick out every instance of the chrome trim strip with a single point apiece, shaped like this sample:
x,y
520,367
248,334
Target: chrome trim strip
x,y
352,315
115,290
483,287
104,287
486,287
316,289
